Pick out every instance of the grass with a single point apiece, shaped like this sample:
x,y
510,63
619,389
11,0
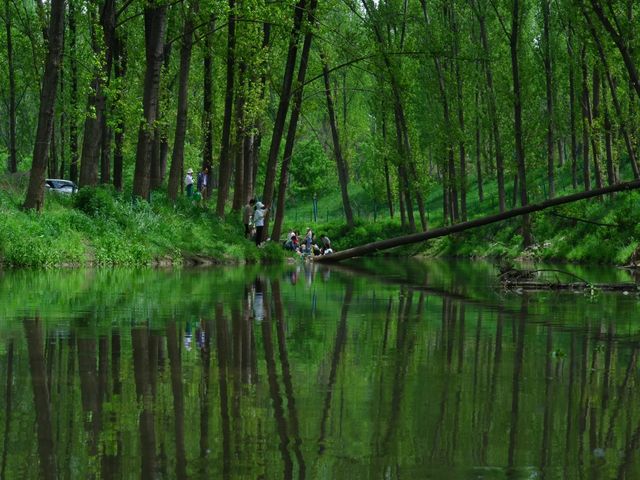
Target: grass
x,y
559,234
100,227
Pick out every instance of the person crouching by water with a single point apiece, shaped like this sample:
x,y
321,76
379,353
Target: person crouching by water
x,y
325,245
259,213
247,215
188,182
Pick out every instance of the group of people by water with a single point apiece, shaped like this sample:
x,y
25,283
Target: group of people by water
x,y
201,194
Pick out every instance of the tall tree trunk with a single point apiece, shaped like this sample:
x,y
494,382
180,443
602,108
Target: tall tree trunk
x,y
387,176
177,158
224,172
594,119
614,97
283,106
586,115
175,362
608,141
120,68
35,192
238,148
343,175
13,153
517,114
293,122
478,150
207,99
548,74
105,152
572,109
621,43
460,105
160,143
155,28
73,124
92,139
492,104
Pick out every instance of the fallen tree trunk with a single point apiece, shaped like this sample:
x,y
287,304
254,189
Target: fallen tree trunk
x,y
478,222
543,286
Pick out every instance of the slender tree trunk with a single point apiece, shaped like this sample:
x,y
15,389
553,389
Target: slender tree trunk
x,y
238,148
343,175
460,105
620,42
160,143
492,104
177,158
586,115
517,114
13,155
387,175
120,55
207,107
614,97
293,122
224,172
594,119
548,73
572,109
155,16
283,106
608,141
35,192
478,151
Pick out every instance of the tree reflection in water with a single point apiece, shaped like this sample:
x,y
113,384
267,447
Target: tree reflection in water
x,y
247,373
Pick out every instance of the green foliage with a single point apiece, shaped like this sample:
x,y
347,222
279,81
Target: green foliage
x,y
311,170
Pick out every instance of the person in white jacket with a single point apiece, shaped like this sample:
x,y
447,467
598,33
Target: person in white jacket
x,y
258,220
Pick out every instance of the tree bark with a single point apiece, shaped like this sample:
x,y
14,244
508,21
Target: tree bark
x,y
73,124
492,104
207,100
155,29
283,106
35,192
517,114
478,150
224,172
548,74
120,68
572,110
293,121
177,158
343,175
594,119
586,115
478,222
460,105
238,144
13,154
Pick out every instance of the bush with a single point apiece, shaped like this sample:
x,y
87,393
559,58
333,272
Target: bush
x,y
95,201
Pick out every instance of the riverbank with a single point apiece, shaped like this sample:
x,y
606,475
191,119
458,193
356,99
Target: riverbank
x,y
99,227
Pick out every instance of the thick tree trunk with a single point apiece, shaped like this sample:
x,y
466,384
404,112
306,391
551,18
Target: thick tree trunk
x,y
293,122
160,143
224,172
13,155
105,152
343,175
73,123
548,74
155,29
177,158
478,222
283,106
35,192
517,115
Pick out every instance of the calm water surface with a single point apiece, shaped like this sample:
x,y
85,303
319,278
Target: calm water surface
x,y
380,369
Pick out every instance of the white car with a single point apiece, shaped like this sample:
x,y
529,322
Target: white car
x,y
61,186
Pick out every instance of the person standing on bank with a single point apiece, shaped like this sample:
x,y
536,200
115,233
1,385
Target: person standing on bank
x,y
247,214
203,181
188,182
258,220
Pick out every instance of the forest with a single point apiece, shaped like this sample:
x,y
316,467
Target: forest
x,y
434,111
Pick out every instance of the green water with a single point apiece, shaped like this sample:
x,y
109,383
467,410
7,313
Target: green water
x,y
382,369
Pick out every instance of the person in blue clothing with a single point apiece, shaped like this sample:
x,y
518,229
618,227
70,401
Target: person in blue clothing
x,y
203,182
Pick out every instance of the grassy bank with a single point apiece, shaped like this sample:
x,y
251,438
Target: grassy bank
x,y
603,230
98,226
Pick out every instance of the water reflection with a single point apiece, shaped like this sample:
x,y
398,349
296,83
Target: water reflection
x,y
419,372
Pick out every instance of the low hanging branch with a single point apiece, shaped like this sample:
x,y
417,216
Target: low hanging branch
x,y
478,222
